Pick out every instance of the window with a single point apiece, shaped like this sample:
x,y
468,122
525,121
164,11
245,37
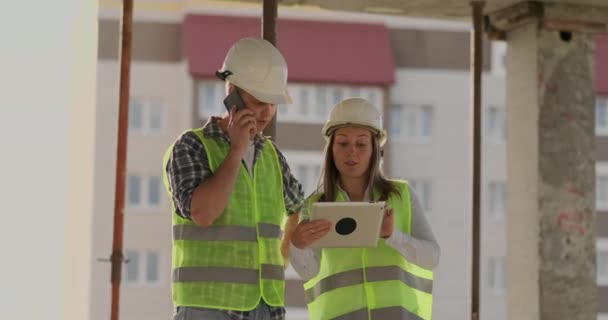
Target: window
x,y
602,262
423,191
132,273
411,123
305,166
154,191
496,274
321,102
372,97
338,96
146,116
312,103
152,267
497,199
282,112
602,268
601,186
156,117
601,116
302,176
304,101
143,191
308,175
395,120
136,117
211,98
143,268
133,190
499,58
495,130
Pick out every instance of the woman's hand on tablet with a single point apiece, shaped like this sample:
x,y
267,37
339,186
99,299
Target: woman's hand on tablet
x,y
387,223
308,232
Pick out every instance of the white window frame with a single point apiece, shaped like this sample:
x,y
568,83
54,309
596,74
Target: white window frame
x,y
602,246
601,131
407,111
141,281
146,105
601,169
293,112
318,108
144,204
219,88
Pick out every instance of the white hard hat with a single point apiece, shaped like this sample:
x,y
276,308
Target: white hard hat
x,y
358,112
257,67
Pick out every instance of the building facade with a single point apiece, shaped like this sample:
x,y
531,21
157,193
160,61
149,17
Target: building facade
x,y
416,71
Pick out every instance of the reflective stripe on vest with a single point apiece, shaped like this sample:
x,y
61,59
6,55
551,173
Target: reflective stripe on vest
x,y
227,274
379,314
225,233
354,277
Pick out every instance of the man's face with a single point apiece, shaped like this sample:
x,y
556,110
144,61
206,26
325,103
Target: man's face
x,y
263,111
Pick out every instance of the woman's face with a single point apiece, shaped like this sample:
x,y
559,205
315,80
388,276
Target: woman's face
x,y
352,150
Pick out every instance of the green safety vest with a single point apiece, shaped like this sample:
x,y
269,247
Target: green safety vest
x,y
235,261
371,283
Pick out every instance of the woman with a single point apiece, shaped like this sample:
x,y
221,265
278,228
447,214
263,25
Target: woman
x,y
391,281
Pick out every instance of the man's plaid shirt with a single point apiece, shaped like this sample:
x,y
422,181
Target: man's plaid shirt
x,y
188,167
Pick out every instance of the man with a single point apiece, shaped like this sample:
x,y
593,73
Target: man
x,y
231,189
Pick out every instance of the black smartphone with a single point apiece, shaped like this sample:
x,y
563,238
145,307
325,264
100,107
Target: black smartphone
x,y
234,99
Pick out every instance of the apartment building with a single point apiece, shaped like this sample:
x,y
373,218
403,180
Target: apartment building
x,y
601,173
415,70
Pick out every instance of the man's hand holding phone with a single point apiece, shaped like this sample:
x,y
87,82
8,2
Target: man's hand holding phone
x,y
241,127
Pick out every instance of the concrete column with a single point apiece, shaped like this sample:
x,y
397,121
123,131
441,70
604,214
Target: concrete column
x,y
551,177
47,125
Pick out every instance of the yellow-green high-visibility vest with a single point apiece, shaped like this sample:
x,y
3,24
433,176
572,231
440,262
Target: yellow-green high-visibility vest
x,y
371,283
235,261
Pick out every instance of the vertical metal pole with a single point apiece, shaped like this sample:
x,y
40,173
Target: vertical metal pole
x,y
269,32
121,154
476,66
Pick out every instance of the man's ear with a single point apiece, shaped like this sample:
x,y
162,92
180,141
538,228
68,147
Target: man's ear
x,y
231,87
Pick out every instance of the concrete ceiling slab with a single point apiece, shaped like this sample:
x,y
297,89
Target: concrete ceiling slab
x,y
441,9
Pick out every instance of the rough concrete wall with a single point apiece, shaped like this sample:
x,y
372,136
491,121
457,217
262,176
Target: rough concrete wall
x,y
567,176
551,226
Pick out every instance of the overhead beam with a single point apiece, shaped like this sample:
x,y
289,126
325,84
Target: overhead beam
x,y
550,16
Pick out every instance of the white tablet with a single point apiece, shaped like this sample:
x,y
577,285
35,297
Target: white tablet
x,y
354,224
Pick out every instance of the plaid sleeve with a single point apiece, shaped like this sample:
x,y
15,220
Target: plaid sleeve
x,y
187,168
292,189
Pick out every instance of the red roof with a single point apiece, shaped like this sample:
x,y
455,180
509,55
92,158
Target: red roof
x,y
315,51
601,64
